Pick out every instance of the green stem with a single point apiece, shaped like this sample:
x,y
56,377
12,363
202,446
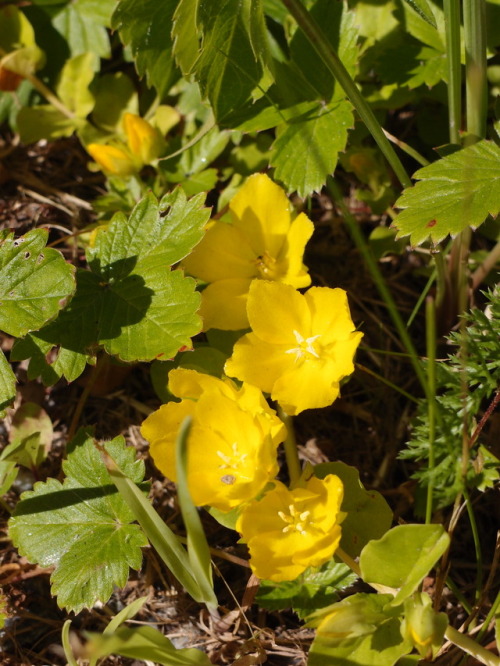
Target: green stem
x,y
406,148
385,381
471,647
458,594
50,96
477,544
430,320
291,452
322,46
475,66
441,277
452,24
377,277
491,614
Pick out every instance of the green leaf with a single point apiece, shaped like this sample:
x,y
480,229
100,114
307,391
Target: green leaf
x,y
73,86
145,25
403,556
227,70
30,436
314,589
306,151
185,35
339,26
45,122
130,302
455,192
7,384
143,643
83,28
368,514
82,526
424,10
114,94
35,282
359,631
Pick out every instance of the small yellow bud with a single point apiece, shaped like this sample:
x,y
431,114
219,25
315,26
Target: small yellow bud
x,y
144,141
112,159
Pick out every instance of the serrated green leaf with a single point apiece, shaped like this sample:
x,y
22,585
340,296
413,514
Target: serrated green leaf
x,y
424,10
413,66
143,643
418,548
82,527
227,61
185,35
455,192
312,590
368,514
306,151
130,302
7,384
339,26
145,25
35,282
74,82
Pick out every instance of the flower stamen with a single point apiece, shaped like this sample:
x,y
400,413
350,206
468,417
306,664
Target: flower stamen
x,y
304,346
295,520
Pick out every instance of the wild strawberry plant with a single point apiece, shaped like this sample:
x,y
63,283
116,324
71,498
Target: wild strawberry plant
x,y
224,91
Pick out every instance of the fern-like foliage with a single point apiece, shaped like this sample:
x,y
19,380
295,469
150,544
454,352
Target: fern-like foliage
x,y
465,383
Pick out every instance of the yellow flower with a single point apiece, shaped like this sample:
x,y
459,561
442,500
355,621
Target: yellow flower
x,y
300,346
260,241
112,159
232,443
144,141
290,530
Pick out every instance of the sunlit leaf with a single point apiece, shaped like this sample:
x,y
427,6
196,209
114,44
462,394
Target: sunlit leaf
x,y
82,526
455,192
35,282
7,384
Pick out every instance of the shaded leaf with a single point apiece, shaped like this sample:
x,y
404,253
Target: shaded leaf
x,y
44,122
423,8
455,192
30,436
185,35
7,384
368,514
35,282
82,526
306,151
145,25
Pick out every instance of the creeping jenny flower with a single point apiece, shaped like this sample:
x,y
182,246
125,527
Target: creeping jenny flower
x,y
289,530
232,442
144,145
259,241
300,347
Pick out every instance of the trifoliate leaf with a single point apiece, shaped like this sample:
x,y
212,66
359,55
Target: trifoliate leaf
x,y
456,192
306,151
7,384
35,282
82,526
145,25
130,302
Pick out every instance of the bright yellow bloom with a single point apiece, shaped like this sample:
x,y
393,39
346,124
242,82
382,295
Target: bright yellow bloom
x,y
260,241
144,141
232,443
300,346
112,159
290,530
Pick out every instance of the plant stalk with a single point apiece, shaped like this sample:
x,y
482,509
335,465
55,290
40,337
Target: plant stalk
x,y
324,49
475,66
471,647
50,96
430,322
452,24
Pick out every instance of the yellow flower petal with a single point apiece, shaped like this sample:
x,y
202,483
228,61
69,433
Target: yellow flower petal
x,y
261,211
223,253
144,141
186,383
112,159
223,304
292,252
276,310
257,362
306,386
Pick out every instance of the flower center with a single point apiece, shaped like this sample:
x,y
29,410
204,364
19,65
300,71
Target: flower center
x,y
295,520
266,266
231,464
304,347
